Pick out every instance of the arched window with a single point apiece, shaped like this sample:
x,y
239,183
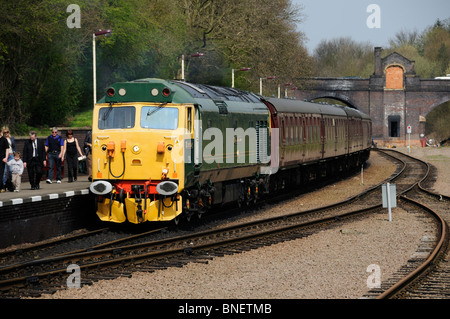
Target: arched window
x,y
394,78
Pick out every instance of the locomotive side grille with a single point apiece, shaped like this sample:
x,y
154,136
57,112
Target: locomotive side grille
x,y
222,107
261,142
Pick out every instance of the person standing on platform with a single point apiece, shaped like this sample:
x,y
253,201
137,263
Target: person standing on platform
x,y
16,167
4,153
54,146
12,148
34,159
71,150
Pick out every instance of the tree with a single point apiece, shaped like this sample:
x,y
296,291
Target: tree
x,y
435,45
343,57
46,67
260,34
39,59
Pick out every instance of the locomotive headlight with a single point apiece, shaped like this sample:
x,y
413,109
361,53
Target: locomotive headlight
x,y
100,187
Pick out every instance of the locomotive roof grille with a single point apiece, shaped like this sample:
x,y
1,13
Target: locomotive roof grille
x,y
218,92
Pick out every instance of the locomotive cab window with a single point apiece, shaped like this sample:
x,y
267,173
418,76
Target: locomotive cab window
x,y
116,117
161,118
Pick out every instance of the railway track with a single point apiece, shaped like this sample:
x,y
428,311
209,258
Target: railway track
x,y
32,277
427,273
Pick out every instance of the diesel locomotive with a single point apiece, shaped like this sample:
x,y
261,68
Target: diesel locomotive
x,y
164,149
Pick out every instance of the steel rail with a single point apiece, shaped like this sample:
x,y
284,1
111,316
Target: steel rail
x,y
443,230
182,249
393,290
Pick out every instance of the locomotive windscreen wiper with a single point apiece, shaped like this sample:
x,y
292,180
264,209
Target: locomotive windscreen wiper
x,y
106,115
151,112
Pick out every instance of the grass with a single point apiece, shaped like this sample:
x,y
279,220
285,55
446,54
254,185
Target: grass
x,y
81,119
436,157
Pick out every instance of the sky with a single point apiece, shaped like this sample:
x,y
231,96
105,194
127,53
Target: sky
x,y
328,19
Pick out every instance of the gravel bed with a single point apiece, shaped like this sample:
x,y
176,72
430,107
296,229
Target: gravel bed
x,y
329,264
439,157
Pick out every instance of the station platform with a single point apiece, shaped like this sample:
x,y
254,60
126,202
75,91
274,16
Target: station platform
x,y
30,216
46,192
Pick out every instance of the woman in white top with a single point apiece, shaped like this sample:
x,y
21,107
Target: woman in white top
x,y
12,149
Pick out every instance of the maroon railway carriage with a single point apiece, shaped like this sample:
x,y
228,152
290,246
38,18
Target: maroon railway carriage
x,y
317,140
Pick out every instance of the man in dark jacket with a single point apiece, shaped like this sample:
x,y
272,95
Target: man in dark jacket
x,y
4,152
34,159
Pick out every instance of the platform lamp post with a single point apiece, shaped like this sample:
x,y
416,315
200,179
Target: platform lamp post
x,y
266,78
195,55
94,35
232,74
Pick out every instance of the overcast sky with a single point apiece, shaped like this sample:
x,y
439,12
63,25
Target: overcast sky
x,y
328,19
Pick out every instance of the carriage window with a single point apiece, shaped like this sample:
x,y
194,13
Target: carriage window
x,y
116,117
162,118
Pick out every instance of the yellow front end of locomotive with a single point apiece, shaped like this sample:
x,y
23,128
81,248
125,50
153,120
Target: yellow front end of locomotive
x,y
157,210
136,147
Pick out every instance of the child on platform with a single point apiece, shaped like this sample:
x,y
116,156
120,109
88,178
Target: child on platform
x,y
16,167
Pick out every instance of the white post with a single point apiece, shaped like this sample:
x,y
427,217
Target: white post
x,y
389,201
279,91
232,78
362,174
409,142
409,131
260,86
93,67
182,67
